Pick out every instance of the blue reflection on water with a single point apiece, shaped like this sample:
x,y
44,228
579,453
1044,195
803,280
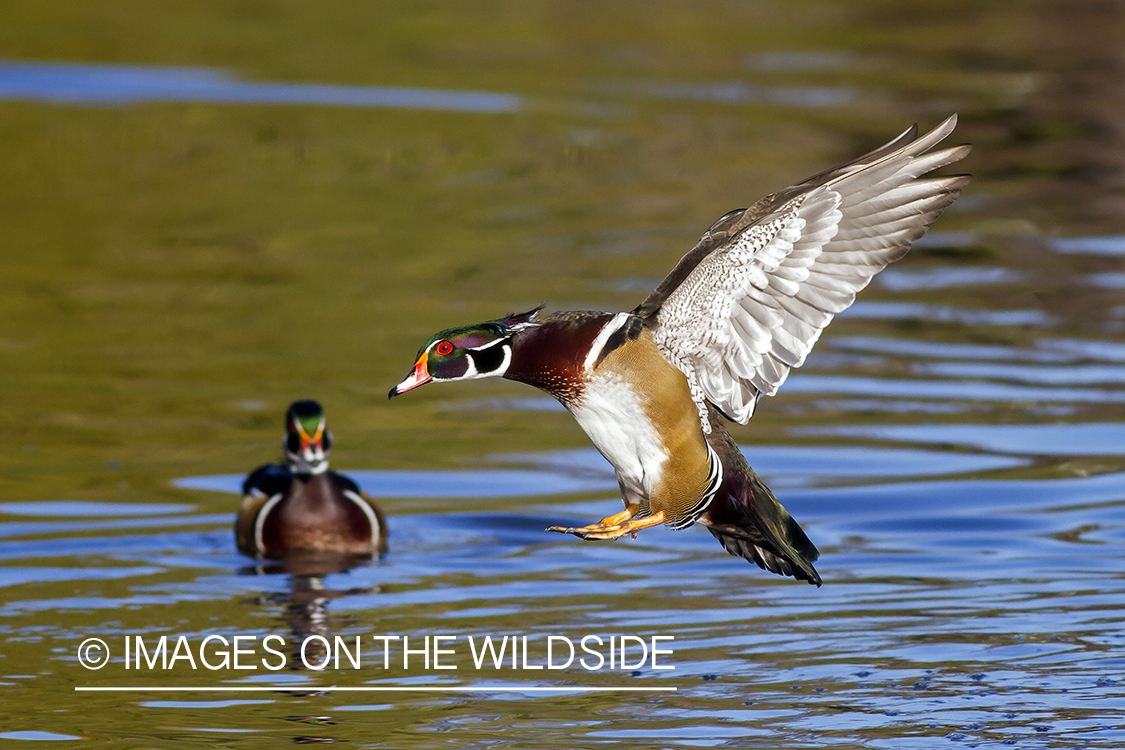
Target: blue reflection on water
x,y
30,528
1042,374
584,471
942,350
547,474
947,314
207,704
1047,350
1090,439
903,280
1108,245
75,508
948,390
785,464
65,83
14,576
440,484
737,92
1106,280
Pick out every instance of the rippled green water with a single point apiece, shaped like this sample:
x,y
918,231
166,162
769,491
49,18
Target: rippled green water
x,y
282,200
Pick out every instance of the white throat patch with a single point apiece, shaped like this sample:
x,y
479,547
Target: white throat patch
x,y
613,417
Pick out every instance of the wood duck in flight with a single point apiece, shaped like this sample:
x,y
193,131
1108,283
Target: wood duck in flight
x,y
736,314
301,505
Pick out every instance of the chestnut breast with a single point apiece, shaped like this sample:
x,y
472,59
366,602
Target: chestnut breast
x,y
315,515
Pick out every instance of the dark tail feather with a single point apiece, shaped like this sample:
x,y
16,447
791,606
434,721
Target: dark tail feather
x,y
748,520
756,527
797,563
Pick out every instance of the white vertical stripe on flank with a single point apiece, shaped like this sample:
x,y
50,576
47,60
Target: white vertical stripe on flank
x,y
260,521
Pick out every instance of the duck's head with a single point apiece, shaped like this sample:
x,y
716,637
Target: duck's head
x,y
483,350
307,439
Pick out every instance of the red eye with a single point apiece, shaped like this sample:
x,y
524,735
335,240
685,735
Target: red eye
x,y
444,348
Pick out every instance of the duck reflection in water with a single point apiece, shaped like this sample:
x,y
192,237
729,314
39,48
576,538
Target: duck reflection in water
x,y
307,598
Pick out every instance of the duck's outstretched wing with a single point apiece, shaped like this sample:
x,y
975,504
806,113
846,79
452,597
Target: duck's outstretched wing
x,y
749,301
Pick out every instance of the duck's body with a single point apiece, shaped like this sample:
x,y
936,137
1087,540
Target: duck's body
x,y
301,505
649,387
282,511
632,403
636,408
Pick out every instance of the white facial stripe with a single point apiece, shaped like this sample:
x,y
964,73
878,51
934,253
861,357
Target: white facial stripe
x,y
489,345
471,371
526,323
301,428
474,374
608,330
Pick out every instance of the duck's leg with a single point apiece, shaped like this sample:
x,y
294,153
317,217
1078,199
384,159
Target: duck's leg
x,y
606,523
614,526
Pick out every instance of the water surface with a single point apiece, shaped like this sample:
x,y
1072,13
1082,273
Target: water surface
x,y
212,210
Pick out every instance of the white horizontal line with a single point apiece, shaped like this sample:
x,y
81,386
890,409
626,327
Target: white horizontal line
x,y
374,689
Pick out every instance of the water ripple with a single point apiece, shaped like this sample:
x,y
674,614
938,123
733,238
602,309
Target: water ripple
x,y
1107,245
1091,439
947,314
68,83
1044,375
739,92
902,280
948,390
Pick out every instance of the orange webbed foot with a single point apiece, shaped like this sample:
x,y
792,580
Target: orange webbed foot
x,y
603,530
606,523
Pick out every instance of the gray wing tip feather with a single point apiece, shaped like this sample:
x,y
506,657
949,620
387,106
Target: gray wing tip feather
x,y
916,148
845,264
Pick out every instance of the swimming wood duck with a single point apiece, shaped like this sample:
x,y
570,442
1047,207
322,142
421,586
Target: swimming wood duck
x,y
740,310
301,505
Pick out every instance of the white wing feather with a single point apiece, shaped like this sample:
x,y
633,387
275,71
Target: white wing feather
x,y
753,308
